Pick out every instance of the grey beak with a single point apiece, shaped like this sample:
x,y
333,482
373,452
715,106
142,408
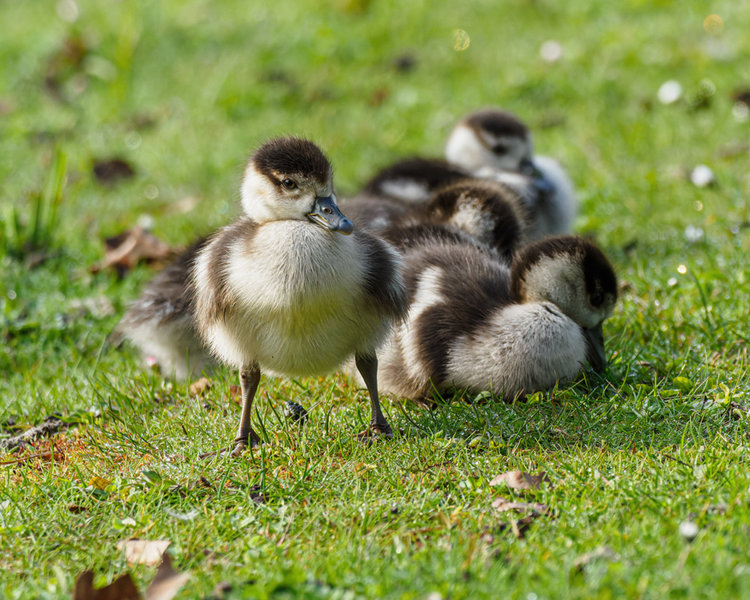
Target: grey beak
x,y
542,186
595,347
326,212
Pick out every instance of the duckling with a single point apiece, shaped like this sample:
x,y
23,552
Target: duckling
x,y
494,144
490,212
393,193
475,324
474,212
290,287
160,322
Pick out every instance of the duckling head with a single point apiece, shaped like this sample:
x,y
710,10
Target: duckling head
x,y
573,274
291,179
486,210
491,138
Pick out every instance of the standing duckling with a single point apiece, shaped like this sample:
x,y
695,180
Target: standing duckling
x,y
288,287
494,144
474,324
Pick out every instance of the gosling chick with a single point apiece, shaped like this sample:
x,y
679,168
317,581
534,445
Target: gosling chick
x,y
495,144
395,192
475,324
160,323
289,288
474,212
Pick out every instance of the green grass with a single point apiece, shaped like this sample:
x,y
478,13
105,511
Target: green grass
x,y
184,91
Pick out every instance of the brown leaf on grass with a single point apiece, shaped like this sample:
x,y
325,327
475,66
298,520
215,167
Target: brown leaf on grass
x,y
518,480
166,582
143,552
121,588
126,250
503,505
520,526
112,170
200,386
742,96
600,553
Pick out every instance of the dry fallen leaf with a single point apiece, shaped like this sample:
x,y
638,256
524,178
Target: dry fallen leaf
x,y
143,552
126,250
518,480
503,505
121,588
600,553
110,170
199,387
166,582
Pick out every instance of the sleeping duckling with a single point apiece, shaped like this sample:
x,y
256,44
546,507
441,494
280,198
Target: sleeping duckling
x,y
160,322
474,324
494,144
481,213
393,193
289,287
489,212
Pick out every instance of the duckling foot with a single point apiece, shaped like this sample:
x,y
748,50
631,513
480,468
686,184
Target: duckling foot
x,y
375,431
240,445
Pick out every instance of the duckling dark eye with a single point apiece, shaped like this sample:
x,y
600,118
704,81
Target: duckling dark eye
x,y
597,298
500,148
289,184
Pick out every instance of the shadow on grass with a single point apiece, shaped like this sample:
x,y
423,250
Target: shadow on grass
x,y
593,412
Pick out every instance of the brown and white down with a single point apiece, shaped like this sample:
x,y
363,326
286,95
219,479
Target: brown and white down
x,y
476,324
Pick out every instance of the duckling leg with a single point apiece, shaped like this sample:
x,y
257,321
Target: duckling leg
x,y
249,379
367,365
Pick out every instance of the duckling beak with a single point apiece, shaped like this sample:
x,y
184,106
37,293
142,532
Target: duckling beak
x,y
326,212
595,347
542,186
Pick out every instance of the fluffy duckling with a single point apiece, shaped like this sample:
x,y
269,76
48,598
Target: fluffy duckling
x,y
289,287
474,324
481,213
494,144
396,191
491,213
160,322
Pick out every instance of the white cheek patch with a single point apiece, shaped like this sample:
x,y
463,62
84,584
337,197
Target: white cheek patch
x,y
465,150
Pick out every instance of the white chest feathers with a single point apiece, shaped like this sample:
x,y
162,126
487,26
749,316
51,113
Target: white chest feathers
x,y
294,299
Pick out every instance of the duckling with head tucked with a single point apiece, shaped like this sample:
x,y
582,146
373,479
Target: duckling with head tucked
x,y
289,287
494,144
474,324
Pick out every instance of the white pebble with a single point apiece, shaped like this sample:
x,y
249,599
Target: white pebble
x,y
688,530
670,92
551,51
702,176
693,233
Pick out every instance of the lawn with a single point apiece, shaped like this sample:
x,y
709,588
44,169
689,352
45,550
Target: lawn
x,y
648,465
